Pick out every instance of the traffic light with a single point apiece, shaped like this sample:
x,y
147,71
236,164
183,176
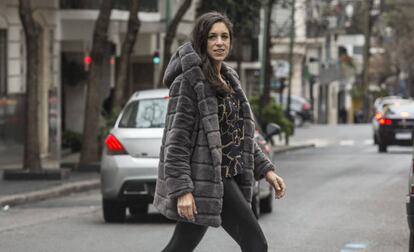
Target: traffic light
x,y
156,58
87,61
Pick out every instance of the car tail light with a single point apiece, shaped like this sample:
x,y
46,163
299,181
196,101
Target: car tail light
x,y
306,106
113,145
385,121
378,115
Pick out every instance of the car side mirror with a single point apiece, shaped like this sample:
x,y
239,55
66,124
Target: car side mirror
x,y
272,129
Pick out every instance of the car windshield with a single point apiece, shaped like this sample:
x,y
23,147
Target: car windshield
x,y
148,113
400,108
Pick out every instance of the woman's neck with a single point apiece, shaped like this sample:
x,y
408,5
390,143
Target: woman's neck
x,y
218,68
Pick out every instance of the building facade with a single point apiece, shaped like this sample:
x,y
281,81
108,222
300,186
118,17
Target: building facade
x,y
65,43
13,79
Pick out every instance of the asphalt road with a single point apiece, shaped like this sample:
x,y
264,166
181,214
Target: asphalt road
x,y
341,196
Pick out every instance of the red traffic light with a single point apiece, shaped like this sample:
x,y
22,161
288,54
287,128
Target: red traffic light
x,y
87,60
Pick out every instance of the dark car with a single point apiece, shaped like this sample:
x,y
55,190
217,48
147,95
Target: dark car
x,y
393,125
378,109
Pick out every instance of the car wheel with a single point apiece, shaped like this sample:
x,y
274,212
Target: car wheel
x,y
256,205
382,147
113,211
266,204
137,210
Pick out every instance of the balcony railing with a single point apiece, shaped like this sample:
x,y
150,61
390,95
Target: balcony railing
x,y
144,5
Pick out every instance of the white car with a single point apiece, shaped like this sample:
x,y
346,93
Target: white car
x,y
130,158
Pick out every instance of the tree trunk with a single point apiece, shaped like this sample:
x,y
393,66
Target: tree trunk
x,y
31,159
127,48
170,35
89,151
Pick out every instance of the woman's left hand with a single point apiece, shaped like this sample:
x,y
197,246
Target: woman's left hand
x,y
277,183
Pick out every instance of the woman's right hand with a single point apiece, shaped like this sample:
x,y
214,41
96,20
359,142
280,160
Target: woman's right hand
x,y
186,207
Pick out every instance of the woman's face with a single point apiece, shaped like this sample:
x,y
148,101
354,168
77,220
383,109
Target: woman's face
x,y
218,42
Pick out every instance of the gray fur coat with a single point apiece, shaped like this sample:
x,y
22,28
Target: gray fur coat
x,y
190,156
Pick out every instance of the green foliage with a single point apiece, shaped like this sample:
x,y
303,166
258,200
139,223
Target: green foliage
x,y
242,13
271,113
380,93
72,140
357,92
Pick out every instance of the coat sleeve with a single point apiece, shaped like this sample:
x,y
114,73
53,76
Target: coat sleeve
x,y
261,163
178,144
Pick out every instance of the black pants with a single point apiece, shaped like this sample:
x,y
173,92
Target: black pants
x,y
237,219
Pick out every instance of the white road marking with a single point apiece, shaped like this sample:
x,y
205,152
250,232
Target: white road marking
x,y
354,247
346,142
368,142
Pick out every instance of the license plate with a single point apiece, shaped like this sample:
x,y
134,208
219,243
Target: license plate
x,y
403,136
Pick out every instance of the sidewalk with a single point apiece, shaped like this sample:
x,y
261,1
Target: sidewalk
x,y
14,193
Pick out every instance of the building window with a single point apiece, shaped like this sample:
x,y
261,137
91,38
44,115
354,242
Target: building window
x,y
358,50
144,5
80,4
3,62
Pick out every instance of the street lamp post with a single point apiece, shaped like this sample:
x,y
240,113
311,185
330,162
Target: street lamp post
x,y
263,49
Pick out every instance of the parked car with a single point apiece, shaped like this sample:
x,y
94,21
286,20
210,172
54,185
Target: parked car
x,y
130,158
262,201
393,125
410,203
299,106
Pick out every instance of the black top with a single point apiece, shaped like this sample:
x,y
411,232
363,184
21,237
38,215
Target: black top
x,y
232,134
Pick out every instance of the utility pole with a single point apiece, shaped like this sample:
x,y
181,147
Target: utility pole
x,y
291,45
268,72
167,14
365,71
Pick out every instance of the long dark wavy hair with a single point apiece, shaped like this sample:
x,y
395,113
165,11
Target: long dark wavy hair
x,y
199,40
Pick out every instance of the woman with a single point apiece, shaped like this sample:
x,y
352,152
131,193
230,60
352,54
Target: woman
x,y
208,159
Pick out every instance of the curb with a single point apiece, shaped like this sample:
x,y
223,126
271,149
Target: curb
x,y
53,192
292,148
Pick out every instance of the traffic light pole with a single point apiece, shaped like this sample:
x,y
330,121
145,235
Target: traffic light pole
x,y
291,45
263,51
